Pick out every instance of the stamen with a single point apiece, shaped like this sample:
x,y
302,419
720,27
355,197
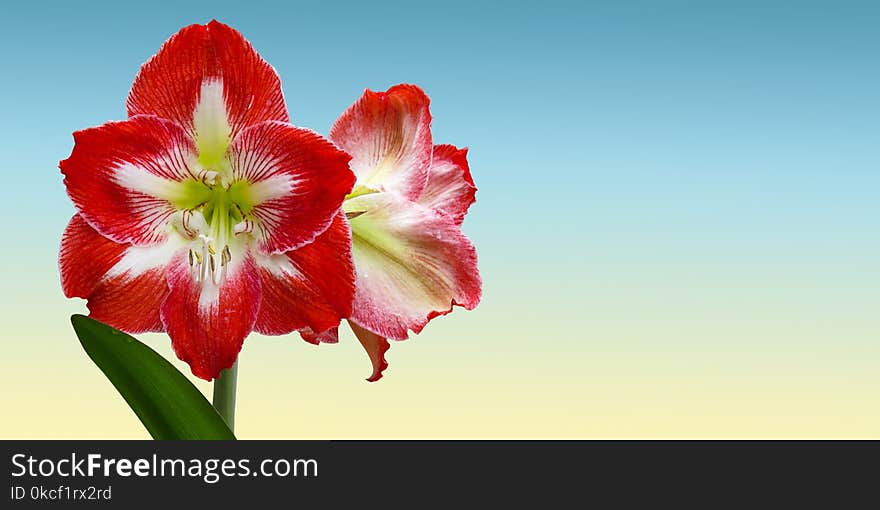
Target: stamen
x,y
222,277
203,273
226,256
193,266
218,273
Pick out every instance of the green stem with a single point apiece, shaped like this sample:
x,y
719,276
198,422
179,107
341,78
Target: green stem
x,y
224,395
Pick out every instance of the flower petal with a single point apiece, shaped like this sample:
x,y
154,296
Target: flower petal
x,y
412,264
171,83
208,324
85,257
388,135
376,347
124,176
124,284
311,287
331,336
130,303
450,186
297,178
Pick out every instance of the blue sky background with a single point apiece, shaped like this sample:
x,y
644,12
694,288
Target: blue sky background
x,y
675,198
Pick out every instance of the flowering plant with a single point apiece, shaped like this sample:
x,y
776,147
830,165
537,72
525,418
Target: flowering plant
x,y
207,215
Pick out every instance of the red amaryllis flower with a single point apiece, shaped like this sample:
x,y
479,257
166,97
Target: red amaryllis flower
x,y
199,214
412,261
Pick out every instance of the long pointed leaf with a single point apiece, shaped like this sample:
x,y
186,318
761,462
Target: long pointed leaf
x,y
166,402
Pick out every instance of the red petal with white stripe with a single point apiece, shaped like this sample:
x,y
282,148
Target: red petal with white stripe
x,y
208,324
311,287
170,83
118,294
388,135
297,178
122,177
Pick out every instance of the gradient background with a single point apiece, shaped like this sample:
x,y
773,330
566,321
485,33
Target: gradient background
x,y
677,219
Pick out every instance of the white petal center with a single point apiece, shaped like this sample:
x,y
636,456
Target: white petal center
x,y
211,124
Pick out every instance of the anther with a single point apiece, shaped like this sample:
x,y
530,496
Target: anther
x,y
193,265
218,274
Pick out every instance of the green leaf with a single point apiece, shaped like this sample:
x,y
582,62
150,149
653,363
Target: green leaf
x,y
166,402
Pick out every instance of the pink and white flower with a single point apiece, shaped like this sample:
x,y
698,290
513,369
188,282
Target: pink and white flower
x,y
412,261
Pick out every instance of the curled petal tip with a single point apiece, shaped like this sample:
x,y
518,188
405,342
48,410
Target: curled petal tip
x,y
376,347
